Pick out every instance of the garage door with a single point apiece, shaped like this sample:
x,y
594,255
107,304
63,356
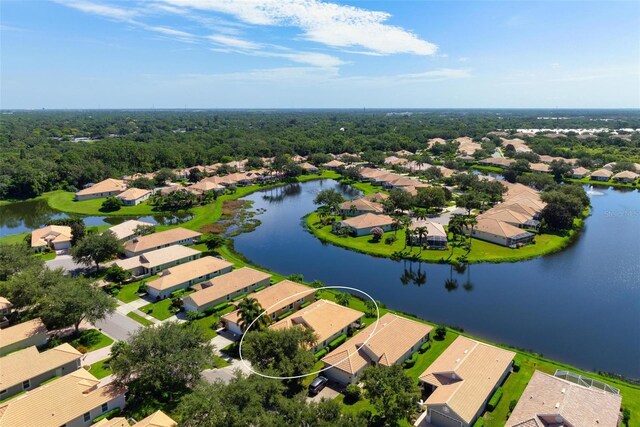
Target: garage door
x,y
441,420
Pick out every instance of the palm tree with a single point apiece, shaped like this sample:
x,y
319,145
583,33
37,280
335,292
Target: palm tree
x,y
456,224
422,233
397,222
249,310
420,214
343,298
410,233
470,222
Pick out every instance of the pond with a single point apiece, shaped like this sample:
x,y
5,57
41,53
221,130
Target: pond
x,y
26,216
579,306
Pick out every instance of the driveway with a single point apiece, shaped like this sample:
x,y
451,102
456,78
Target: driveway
x,y
443,219
66,263
225,374
118,326
330,392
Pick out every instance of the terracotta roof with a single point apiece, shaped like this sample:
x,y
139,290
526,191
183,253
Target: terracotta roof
x,y
113,422
581,171
539,167
505,214
131,194
403,181
377,197
205,185
433,141
465,375
497,227
21,331
226,284
467,146
368,220
393,160
308,166
498,161
5,303
58,402
523,208
50,233
158,257
107,186
626,175
126,228
362,205
28,363
372,172
433,228
188,271
334,164
602,173
157,419
394,336
547,397
324,317
167,237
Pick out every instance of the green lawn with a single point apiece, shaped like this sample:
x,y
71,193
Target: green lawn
x,y
100,369
209,323
161,310
46,256
129,292
139,319
481,251
88,340
13,239
64,201
427,358
610,183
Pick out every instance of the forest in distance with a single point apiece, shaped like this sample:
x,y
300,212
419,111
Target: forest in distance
x,y
42,151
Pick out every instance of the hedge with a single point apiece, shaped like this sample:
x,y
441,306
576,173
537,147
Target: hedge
x,y
221,306
109,414
479,422
424,347
287,314
335,343
239,297
304,304
259,288
322,353
495,399
411,361
516,366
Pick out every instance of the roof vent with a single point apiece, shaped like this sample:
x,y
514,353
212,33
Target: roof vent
x,y
557,405
563,390
466,351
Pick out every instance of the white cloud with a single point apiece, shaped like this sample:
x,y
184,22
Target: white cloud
x,y
168,31
233,42
327,23
106,11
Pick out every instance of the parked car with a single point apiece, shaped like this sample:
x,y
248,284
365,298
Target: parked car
x,y
317,385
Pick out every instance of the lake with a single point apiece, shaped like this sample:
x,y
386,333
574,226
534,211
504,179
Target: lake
x,y
579,306
23,217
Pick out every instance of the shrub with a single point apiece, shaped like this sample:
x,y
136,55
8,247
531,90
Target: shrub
x,y
352,394
282,316
441,333
516,366
117,274
109,414
239,297
220,306
390,240
82,349
259,288
304,304
322,353
479,422
626,416
194,315
335,343
512,405
178,294
111,204
424,347
495,399
408,363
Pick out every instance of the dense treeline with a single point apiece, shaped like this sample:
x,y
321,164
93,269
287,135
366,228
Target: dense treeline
x,y
41,151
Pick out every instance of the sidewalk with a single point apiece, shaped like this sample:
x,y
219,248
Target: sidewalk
x,y
96,356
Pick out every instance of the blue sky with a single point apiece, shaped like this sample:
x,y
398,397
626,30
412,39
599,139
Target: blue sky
x,y
319,54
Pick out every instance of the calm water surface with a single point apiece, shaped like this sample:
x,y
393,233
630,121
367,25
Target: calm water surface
x,y
26,216
580,306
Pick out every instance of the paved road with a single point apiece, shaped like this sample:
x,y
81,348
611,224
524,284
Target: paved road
x,y
66,263
118,326
444,218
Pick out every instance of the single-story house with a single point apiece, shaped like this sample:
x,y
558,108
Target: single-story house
x,y
612,165
327,319
499,232
153,262
207,185
467,147
549,400
186,275
368,174
540,167
127,230
226,288
73,400
276,300
626,176
23,335
580,172
460,382
108,187
391,341
431,142
162,239
513,217
523,208
296,158
363,224
26,369
500,162
5,310
309,167
395,161
357,207
133,196
333,164
601,175
56,237
518,144
376,197
157,419
433,234
404,153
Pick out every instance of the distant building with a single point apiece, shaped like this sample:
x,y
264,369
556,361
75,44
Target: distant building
x,y
127,229
162,239
133,196
108,187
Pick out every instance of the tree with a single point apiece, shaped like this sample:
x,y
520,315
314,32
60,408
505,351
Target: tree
x,y
195,175
250,310
330,198
214,241
343,298
560,168
162,361
30,285
440,333
430,197
143,230
163,176
556,217
73,301
400,199
117,274
377,233
469,201
391,392
96,248
15,259
371,307
433,173
144,183
456,225
111,204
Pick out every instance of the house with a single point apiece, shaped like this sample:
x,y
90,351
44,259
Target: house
x,y
157,419
276,300
367,174
23,335
404,153
162,239
549,401
326,319
539,167
357,207
153,262
333,164
499,232
309,167
376,197
225,288
133,196
108,187
73,400
466,146
395,161
26,369
580,173
458,384
513,217
518,144
389,342
127,230
625,176
431,142
362,225
207,185
185,275
56,237
5,311
500,162
601,175
427,233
